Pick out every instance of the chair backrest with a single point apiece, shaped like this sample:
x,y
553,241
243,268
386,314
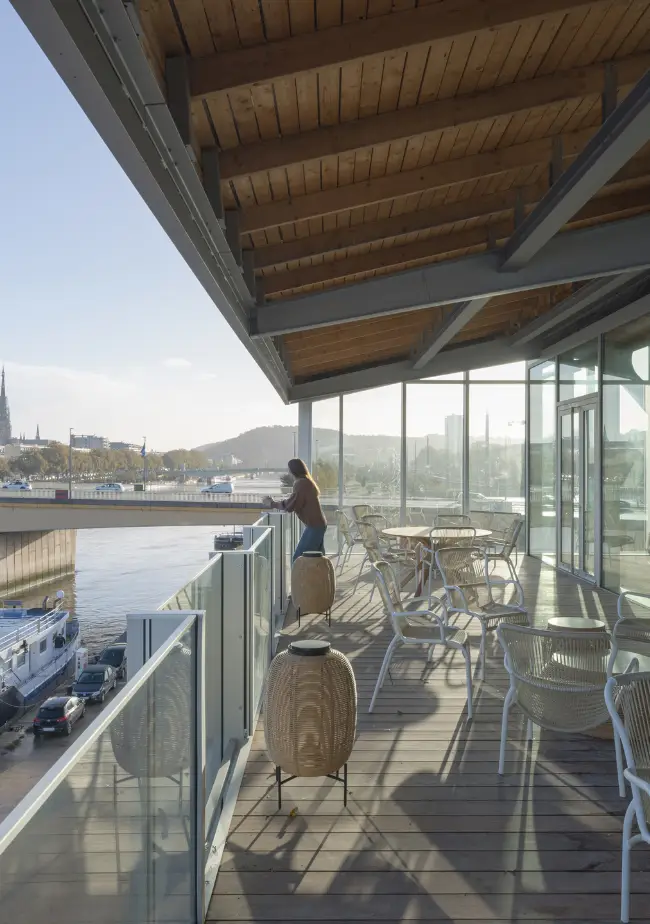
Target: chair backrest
x,y
452,519
388,586
361,510
370,539
501,523
455,536
344,525
628,702
559,677
378,520
481,519
512,534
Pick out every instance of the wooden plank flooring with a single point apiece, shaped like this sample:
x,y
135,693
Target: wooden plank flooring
x,y
431,833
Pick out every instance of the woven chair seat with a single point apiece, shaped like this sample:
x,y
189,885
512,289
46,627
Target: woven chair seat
x,y
493,614
426,633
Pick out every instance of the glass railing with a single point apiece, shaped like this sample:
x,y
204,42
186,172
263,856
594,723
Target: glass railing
x,y
130,824
111,832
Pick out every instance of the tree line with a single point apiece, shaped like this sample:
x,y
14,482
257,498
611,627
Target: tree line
x,y
52,462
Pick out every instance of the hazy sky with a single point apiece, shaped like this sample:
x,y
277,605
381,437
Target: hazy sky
x,y
104,328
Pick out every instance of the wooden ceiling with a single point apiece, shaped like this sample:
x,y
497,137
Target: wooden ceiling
x,y
363,137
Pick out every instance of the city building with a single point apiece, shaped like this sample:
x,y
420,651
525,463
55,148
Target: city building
x,y
89,441
132,447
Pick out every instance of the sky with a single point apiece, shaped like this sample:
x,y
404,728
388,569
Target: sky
x,y
105,329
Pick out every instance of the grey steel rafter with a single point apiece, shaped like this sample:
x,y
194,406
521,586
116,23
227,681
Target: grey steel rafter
x,y
454,322
620,137
585,253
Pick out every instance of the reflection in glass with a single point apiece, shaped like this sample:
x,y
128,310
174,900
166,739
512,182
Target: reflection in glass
x,y
496,449
542,462
325,462
589,525
579,371
371,447
115,840
434,451
566,489
262,616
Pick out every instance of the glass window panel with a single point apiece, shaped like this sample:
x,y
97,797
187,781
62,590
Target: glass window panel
x,y
262,615
325,462
496,451
371,449
450,377
510,372
626,473
627,353
115,840
579,371
434,451
542,462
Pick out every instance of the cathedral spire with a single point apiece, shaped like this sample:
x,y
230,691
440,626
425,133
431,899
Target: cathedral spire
x,y
5,418
38,435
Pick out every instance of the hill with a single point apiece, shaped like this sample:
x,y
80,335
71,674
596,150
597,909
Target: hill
x,y
272,446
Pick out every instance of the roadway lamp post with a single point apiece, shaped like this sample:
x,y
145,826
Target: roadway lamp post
x,y
70,465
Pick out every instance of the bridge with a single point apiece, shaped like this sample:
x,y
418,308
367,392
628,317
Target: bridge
x,y
43,511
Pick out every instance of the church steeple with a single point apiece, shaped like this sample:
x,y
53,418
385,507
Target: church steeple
x,y
5,417
38,435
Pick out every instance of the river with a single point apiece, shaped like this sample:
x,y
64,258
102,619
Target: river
x,y
127,570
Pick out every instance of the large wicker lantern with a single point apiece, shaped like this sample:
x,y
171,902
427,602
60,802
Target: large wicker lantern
x,y
313,584
310,712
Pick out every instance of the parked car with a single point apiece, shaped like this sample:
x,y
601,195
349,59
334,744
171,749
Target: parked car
x,y
16,485
115,656
94,682
219,487
57,715
114,486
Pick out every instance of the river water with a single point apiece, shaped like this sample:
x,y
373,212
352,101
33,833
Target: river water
x,y
127,570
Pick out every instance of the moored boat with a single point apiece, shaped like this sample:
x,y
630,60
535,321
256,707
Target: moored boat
x,y
37,649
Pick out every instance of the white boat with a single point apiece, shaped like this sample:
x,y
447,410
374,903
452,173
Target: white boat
x,y
37,648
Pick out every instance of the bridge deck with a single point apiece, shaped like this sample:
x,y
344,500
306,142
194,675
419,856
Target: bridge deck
x,y
430,832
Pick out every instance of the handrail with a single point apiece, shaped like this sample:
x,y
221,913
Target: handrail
x,y
27,808
43,623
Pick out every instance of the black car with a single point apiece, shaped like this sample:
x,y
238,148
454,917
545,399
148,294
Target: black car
x,y
94,682
57,715
115,656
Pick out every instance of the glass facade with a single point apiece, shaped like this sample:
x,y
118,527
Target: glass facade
x,y
542,446
434,449
626,456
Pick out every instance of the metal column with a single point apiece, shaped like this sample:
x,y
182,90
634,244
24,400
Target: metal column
x,y
403,470
305,432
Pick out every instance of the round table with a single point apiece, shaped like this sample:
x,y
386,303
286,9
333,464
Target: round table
x,y
425,532
576,624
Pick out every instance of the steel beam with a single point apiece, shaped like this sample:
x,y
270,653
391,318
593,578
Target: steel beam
x,y
454,322
584,253
622,134
630,312
460,359
578,302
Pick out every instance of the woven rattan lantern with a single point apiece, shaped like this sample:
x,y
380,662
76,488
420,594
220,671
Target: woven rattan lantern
x,y
310,713
313,584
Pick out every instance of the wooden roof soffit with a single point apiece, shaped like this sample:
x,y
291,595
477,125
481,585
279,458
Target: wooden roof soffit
x,y
602,208
375,36
428,117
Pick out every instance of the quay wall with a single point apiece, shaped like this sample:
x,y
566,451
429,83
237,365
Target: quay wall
x,y
28,559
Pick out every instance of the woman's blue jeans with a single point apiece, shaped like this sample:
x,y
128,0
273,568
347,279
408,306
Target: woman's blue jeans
x,y
312,540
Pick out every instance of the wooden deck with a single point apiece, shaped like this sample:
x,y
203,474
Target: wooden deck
x,y
430,832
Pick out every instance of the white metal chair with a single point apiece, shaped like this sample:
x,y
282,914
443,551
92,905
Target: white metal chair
x,y
631,632
427,626
459,537
628,702
452,519
468,587
349,540
557,679
502,549
361,510
378,549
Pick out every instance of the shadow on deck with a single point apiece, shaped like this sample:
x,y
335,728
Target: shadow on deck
x,y
431,833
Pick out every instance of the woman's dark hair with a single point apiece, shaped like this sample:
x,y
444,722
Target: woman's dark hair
x,y
299,470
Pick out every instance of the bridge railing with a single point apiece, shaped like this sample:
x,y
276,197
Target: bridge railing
x,y
136,498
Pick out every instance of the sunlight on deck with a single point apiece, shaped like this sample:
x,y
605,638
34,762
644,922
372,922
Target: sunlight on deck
x,y
430,832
